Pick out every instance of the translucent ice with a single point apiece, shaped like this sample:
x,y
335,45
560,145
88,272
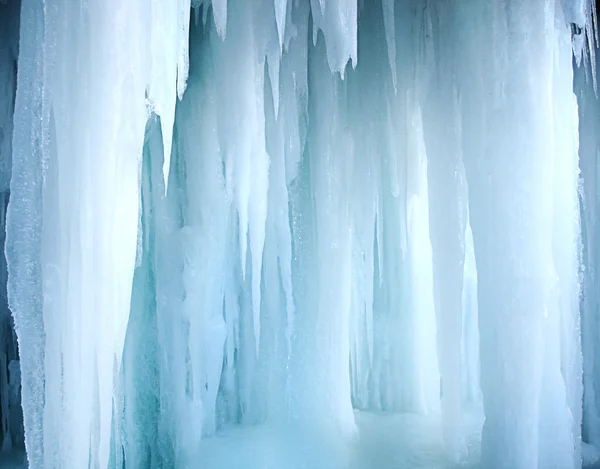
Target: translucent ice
x,y
215,221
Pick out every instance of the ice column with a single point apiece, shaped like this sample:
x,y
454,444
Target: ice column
x,y
392,315
447,217
323,279
518,148
72,223
589,110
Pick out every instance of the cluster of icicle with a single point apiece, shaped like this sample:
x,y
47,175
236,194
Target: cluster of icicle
x,y
275,225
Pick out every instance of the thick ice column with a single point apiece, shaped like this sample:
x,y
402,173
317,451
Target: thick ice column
x,y
98,202
446,231
447,218
517,147
206,239
76,152
278,308
322,281
392,321
285,138
589,143
367,92
566,247
422,305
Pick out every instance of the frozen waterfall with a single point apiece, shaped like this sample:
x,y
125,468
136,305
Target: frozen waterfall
x,y
325,234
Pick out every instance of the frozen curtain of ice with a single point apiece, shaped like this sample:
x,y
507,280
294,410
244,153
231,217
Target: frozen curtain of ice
x,y
270,211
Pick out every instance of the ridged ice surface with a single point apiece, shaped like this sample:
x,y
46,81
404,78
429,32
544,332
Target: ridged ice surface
x,y
236,224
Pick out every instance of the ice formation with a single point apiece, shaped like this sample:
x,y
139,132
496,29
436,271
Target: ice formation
x,y
284,212
11,420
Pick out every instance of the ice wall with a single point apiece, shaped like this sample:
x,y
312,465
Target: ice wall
x,y
276,212
11,427
588,151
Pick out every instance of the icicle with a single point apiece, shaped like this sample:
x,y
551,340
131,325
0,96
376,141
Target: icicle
x,y
262,234
219,8
338,19
280,17
390,36
258,219
169,66
591,48
183,26
273,60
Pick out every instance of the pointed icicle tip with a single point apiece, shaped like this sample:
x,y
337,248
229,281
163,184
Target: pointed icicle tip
x,y
280,17
167,117
256,312
167,146
273,63
220,17
166,168
390,37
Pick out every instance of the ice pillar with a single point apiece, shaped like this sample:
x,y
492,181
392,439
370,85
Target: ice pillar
x,y
72,223
519,150
447,217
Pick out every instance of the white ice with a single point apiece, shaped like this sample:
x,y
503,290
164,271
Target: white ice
x,y
353,226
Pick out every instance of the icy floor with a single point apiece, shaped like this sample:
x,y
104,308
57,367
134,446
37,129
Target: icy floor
x,y
384,442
